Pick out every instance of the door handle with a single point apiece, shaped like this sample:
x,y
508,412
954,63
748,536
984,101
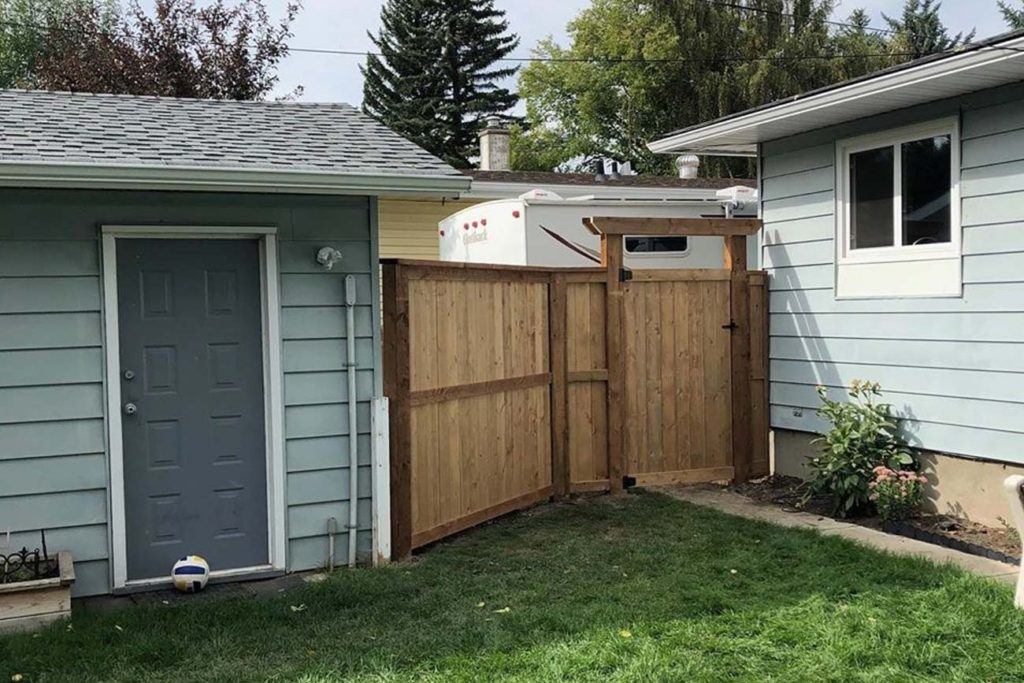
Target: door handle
x,y
130,409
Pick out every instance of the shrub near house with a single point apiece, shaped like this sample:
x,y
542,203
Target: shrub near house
x,y
864,436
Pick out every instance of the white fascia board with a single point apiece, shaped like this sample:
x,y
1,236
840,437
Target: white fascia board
x,y
743,132
484,190
186,178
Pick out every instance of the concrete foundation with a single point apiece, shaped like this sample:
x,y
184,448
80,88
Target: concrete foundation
x,y
962,487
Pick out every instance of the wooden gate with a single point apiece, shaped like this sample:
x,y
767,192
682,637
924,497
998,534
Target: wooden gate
x,y
509,385
678,376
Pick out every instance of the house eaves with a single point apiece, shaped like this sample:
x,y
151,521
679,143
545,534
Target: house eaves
x,y
988,64
189,178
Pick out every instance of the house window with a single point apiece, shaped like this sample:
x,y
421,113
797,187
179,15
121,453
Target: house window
x,y
898,202
656,245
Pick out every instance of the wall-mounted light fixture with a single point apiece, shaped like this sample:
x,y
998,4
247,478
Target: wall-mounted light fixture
x,y
327,257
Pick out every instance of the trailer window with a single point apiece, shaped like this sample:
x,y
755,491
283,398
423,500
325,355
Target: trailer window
x,y
655,245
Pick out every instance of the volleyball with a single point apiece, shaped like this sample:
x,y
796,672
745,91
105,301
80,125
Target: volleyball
x,y
190,574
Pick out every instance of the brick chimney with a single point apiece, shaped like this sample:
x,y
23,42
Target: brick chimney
x,y
494,154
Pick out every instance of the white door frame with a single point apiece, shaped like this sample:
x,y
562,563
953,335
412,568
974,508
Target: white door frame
x,y
272,388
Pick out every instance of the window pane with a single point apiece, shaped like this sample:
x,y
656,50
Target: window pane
x,y
649,245
926,191
871,175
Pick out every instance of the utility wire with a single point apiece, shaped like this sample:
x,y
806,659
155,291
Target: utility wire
x,y
777,13
631,60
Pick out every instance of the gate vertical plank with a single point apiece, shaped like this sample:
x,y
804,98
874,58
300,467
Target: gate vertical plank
x,y
396,388
557,311
611,260
739,283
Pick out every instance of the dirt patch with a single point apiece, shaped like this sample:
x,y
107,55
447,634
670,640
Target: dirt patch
x,y
1004,539
790,493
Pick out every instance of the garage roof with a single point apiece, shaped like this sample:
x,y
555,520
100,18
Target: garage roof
x,y
986,64
107,136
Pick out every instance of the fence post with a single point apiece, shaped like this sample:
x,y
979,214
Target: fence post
x,y
396,388
739,344
559,390
612,262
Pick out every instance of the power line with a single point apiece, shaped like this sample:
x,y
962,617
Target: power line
x,y
828,22
631,60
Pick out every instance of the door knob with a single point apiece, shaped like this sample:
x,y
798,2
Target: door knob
x,y
130,409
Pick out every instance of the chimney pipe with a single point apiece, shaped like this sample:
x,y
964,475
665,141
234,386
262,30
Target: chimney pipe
x,y
599,175
494,146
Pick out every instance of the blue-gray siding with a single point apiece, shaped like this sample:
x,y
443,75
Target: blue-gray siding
x,y
53,462
953,366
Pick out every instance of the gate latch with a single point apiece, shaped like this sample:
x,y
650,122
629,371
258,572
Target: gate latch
x,y
731,326
625,275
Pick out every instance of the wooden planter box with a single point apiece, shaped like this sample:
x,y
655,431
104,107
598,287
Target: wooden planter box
x,y
29,605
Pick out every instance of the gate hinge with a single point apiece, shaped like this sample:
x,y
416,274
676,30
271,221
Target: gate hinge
x,y
625,274
628,482
731,326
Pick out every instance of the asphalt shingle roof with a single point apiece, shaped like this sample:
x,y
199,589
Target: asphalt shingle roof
x,y
126,130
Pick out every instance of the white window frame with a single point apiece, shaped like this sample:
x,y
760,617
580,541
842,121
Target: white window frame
x,y
845,148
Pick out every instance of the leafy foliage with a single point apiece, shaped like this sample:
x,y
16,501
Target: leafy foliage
x,y
637,69
218,50
896,493
864,435
436,78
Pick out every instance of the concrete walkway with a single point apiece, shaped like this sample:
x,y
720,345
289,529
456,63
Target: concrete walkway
x,y
733,503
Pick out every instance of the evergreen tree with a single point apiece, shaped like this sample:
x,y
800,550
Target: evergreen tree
x,y
435,79
919,31
863,47
1014,17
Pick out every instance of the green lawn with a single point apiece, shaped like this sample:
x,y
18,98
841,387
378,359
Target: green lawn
x,y
637,588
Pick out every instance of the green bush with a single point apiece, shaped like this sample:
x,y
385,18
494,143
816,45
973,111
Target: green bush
x,y
864,435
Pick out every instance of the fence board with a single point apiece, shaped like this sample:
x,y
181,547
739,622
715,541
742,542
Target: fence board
x,y
509,386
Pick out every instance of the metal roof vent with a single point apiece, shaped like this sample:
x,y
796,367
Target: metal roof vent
x,y
688,165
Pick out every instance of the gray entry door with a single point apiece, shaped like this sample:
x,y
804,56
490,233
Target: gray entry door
x,y
195,465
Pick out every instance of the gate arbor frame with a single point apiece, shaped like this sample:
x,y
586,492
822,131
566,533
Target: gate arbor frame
x,y
734,231
550,367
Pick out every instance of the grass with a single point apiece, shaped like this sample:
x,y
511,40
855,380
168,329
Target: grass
x,y
636,588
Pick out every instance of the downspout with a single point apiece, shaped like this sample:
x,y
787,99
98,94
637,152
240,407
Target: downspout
x,y
353,430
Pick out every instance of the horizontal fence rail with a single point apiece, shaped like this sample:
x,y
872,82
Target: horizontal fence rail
x,y
501,382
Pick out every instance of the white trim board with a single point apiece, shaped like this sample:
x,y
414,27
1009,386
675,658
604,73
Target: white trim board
x,y
272,376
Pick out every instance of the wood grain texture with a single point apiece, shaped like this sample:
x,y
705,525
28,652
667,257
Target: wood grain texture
x,y
714,227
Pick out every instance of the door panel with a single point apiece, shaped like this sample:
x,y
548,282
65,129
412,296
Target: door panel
x,y
195,466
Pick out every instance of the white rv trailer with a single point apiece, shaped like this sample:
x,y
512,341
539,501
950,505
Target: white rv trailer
x,y
542,229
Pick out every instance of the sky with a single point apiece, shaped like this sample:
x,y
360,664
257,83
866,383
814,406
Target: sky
x,y
342,24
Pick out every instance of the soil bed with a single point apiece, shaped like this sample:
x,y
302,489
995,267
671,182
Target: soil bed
x,y
1001,543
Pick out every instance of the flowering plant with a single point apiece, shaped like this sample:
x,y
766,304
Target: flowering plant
x,y
896,493
864,433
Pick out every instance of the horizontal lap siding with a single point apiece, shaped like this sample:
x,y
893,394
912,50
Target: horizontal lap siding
x,y
53,462
317,430
953,367
53,471
408,227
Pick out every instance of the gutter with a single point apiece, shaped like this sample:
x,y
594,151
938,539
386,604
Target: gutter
x,y
191,178
701,138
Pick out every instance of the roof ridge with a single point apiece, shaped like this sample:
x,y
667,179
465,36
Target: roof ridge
x,y
167,98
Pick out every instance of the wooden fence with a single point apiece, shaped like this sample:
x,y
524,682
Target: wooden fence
x,y
509,385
